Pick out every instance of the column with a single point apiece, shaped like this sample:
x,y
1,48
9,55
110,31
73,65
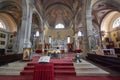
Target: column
x,y
85,37
25,29
23,26
27,43
91,36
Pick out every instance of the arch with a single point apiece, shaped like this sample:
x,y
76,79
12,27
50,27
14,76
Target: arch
x,y
9,22
105,24
39,17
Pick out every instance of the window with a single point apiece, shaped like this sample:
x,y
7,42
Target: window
x,y
116,23
80,34
68,39
2,26
59,26
50,39
36,34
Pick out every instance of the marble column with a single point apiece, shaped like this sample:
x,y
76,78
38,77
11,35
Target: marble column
x,y
23,26
85,37
27,43
25,29
91,36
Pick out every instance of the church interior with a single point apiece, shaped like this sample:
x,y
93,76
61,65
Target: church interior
x,y
79,38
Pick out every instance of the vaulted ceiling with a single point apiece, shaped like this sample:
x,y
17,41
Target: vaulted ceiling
x,y
66,12
58,11
13,9
101,9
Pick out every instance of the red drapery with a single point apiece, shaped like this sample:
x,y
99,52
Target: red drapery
x,y
44,72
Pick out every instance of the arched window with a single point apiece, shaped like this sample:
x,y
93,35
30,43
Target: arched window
x,y
2,25
68,39
50,39
36,34
80,34
59,26
116,23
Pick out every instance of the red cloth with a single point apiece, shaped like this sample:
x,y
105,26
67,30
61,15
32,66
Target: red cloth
x,y
38,51
44,72
78,51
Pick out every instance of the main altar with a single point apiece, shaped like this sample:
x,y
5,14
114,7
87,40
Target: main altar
x,y
57,47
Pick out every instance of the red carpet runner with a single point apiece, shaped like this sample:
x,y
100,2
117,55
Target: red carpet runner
x,y
61,67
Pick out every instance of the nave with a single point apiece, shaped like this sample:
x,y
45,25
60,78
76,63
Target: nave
x,y
64,68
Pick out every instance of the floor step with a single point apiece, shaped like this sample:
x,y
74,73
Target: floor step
x,y
64,67
11,68
29,68
63,64
9,73
64,73
87,69
32,64
27,72
18,64
91,73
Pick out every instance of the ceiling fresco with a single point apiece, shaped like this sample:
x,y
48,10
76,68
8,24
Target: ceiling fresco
x,y
100,10
58,11
13,9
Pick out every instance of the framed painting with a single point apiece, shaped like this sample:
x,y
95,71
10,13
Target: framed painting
x,y
108,51
26,53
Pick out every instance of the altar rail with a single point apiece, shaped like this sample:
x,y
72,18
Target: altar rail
x,y
106,61
9,58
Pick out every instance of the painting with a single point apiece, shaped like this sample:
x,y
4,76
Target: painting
x,y
2,43
2,35
26,53
108,51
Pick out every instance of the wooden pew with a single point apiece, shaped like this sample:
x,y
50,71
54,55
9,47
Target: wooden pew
x,y
106,61
9,58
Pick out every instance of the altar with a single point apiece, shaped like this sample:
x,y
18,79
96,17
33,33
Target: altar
x,y
54,53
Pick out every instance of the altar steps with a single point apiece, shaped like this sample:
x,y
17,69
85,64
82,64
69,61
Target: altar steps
x,y
87,69
64,69
28,70
13,68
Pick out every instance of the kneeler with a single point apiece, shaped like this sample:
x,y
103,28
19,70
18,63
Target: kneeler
x,y
44,72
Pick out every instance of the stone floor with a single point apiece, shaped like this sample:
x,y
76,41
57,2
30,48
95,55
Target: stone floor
x,y
13,68
88,69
